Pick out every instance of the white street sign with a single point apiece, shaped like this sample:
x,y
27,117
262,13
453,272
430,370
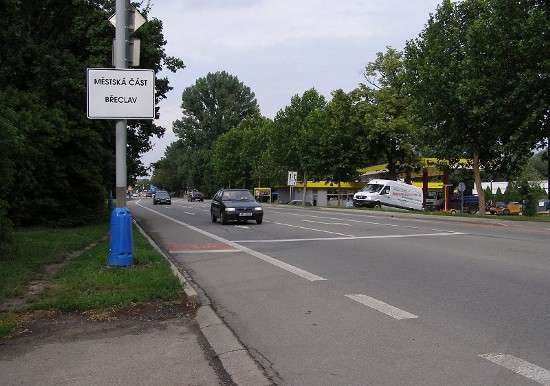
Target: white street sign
x,y
292,177
136,19
120,93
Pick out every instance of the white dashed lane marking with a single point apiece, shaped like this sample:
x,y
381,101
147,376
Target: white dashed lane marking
x,y
519,366
327,223
309,229
384,308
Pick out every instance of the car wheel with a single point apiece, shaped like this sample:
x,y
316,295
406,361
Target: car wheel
x,y
223,218
259,220
213,217
378,204
506,212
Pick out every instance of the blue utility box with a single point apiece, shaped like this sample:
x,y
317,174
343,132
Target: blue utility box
x,y
120,240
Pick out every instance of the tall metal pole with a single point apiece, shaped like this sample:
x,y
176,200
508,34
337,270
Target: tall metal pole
x,y
121,38
120,242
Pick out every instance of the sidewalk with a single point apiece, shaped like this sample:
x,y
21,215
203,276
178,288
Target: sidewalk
x,y
158,345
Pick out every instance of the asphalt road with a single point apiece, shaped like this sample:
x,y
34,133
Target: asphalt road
x,y
327,297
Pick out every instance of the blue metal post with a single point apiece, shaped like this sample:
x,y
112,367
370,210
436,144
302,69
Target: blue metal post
x,y
120,240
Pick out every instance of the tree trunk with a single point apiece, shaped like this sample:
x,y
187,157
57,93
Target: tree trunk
x,y
304,190
425,180
477,178
391,163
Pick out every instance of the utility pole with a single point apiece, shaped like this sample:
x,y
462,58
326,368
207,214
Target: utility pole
x,y
121,243
121,43
121,93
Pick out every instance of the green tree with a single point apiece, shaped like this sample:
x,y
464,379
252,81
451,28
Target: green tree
x,y
242,157
472,73
212,106
65,163
385,106
342,148
297,135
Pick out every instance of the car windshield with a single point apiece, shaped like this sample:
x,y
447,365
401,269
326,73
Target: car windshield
x,y
237,195
372,188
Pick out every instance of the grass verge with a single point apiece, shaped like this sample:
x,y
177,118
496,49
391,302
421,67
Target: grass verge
x,y
36,247
85,283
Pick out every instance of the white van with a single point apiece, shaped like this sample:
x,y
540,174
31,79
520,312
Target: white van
x,y
389,193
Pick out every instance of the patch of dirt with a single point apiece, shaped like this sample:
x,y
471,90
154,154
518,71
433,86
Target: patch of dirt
x,y
41,323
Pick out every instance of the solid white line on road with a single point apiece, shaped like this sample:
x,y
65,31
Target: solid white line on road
x,y
192,214
327,223
310,229
268,259
384,308
519,366
352,237
242,226
206,251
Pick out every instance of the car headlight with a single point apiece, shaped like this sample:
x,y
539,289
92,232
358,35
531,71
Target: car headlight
x,y
229,209
258,208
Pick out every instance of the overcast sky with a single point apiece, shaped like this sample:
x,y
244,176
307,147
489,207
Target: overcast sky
x,y
279,48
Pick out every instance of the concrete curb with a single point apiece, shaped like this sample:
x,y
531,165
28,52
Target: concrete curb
x,y
235,358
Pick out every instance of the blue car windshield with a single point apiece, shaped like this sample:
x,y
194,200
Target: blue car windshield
x,y
237,195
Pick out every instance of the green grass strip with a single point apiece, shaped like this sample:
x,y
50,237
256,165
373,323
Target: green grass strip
x,y
36,247
87,283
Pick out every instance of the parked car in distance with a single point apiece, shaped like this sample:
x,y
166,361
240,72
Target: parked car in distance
x,y
195,196
298,203
502,208
235,205
162,197
543,206
493,207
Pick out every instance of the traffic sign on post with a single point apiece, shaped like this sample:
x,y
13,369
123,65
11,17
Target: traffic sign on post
x,y
135,19
120,93
292,177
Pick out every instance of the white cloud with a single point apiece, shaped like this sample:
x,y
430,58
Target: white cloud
x,y
250,25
